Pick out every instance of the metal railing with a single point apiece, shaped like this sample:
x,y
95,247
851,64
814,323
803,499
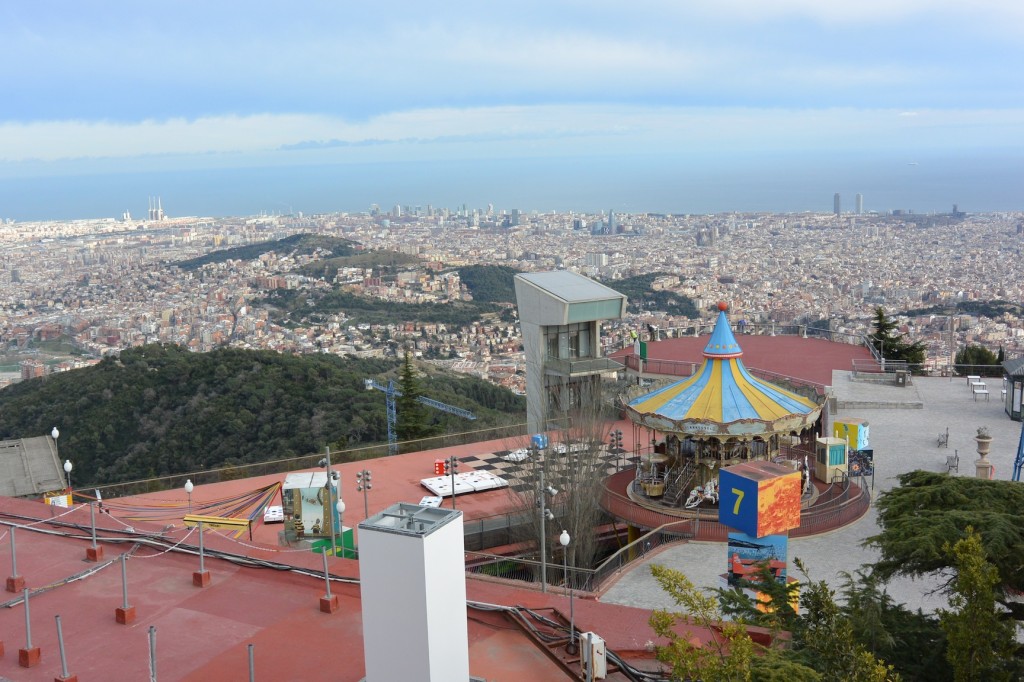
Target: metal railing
x,y
837,505
527,569
686,368
285,465
570,367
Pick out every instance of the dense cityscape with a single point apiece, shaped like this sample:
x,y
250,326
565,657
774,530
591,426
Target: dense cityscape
x,y
105,285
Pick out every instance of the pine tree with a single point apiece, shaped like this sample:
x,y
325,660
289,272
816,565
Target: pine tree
x,y
981,640
892,345
978,360
412,421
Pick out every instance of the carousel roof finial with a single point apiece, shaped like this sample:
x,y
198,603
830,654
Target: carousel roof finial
x,y
722,343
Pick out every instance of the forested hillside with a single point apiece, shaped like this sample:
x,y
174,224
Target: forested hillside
x,y
295,306
640,296
297,244
490,283
160,409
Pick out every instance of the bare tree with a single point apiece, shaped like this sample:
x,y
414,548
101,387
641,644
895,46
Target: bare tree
x,y
575,464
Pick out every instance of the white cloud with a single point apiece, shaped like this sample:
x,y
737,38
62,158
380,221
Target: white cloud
x,y
624,129
1002,13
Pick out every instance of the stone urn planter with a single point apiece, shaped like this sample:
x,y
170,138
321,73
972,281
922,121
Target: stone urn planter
x,y
982,467
984,441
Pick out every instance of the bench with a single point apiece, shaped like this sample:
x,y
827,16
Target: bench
x,y
953,462
980,391
944,439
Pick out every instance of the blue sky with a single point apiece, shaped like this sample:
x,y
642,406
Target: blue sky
x,y
94,87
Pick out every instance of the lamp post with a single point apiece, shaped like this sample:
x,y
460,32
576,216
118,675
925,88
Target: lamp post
x,y
331,482
189,487
539,442
451,467
340,506
363,486
564,540
68,466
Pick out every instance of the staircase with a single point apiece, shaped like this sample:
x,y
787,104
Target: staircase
x,y
677,482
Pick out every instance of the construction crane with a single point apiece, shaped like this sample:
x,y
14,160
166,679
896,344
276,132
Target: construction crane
x,y
391,393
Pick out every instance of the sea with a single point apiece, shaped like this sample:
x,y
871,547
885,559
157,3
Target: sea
x,y
975,183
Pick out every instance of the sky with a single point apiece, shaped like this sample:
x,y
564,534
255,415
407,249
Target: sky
x,y
102,88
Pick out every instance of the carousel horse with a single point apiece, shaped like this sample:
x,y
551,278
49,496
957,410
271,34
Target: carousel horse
x,y
703,493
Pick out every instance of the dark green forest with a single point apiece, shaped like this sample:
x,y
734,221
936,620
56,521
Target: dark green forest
x,y
641,297
990,309
301,307
160,409
385,263
490,283
297,244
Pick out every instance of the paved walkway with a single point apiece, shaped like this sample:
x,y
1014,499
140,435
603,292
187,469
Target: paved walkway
x,y
904,427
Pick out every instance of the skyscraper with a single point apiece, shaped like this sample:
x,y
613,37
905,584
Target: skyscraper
x,y
836,205
860,203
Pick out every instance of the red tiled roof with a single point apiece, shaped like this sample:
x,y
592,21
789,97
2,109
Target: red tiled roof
x,y
810,359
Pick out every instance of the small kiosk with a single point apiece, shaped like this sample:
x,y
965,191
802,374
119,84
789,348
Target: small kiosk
x,y
309,508
1013,387
830,458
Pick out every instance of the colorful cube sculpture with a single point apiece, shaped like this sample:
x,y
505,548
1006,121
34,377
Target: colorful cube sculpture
x,y
853,430
759,498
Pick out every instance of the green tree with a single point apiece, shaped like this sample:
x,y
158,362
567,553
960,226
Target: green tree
x,y
978,360
865,605
728,655
981,640
912,641
412,415
825,641
930,510
778,616
890,344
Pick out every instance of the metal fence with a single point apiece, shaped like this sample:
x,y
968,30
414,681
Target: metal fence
x,y
526,568
837,505
281,466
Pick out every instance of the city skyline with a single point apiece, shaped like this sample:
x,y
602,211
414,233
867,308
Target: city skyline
x,y
641,100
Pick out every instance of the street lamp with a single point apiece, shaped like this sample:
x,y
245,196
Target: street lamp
x,y
564,540
331,483
340,506
451,467
67,470
189,487
363,486
538,443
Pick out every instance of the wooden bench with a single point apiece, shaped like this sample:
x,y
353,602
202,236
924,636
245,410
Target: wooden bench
x,y
980,391
944,439
953,462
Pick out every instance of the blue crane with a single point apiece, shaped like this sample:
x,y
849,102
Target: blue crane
x,y
1019,462
391,392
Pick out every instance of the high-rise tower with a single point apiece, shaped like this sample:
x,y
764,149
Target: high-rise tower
x,y
860,203
836,207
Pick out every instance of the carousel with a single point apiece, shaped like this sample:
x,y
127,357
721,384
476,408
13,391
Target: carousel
x,y
720,416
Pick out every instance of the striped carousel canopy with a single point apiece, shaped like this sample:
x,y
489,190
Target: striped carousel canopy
x,y
722,392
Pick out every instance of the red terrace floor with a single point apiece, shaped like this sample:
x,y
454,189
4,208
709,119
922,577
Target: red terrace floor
x,y
809,359
203,633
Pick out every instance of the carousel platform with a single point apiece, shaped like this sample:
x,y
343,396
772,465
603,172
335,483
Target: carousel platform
x,y
824,508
